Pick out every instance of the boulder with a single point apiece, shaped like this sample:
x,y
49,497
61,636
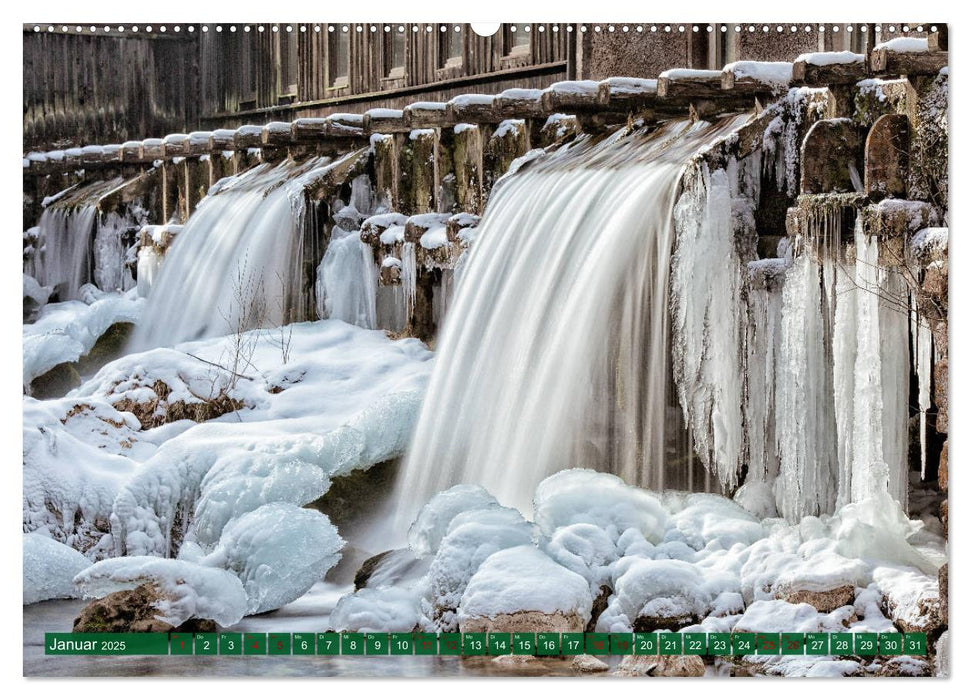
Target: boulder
x,y
56,382
942,660
943,591
823,601
942,469
135,610
585,663
909,666
661,666
526,621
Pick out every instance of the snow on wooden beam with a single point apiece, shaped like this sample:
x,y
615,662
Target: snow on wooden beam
x,y
152,149
222,140
313,129
276,135
111,153
754,78
906,56
198,142
175,146
385,121
520,103
426,115
829,68
473,109
688,84
570,95
248,136
627,94
91,155
132,152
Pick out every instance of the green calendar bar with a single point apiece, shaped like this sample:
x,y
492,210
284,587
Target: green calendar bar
x,y
492,644
106,644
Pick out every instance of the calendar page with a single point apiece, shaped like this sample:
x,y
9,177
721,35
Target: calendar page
x,y
448,349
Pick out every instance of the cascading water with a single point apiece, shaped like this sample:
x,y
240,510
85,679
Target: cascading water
x,y
555,352
79,244
238,262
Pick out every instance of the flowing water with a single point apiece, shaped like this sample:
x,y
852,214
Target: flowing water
x,y
555,352
239,261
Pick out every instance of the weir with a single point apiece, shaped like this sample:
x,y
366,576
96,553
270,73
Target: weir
x,y
702,305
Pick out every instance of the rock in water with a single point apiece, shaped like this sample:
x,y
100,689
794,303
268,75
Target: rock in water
x,y
585,663
667,666
133,611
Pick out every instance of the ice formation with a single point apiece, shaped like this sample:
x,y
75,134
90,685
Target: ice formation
x,y
50,568
278,551
186,590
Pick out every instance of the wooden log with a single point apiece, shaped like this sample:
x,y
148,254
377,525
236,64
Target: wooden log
x,y
131,152
426,115
386,171
520,103
72,158
198,142
91,155
627,94
152,149
886,61
111,153
248,136
687,84
222,140
833,68
757,78
385,121
276,135
473,109
570,95
314,129
348,119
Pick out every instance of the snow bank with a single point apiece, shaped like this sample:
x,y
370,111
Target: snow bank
x,y
66,331
391,609
278,551
50,568
471,538
904,44
585,496
776,73
189,591
586,550
524,579
830,58
435,517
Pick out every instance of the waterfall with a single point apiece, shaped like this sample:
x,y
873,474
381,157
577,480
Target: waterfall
x,y
78,243
238,262
65,259
555,350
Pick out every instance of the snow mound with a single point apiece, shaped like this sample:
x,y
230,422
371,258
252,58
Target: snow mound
x,y
585,496
76,457
390,609
66,331
50,568
471,538
432,523
586,550
779,616
666,591
524,579
710,518
189,591
278,551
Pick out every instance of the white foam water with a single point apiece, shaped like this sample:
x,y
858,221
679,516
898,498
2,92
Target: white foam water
x,y
555,352
238,262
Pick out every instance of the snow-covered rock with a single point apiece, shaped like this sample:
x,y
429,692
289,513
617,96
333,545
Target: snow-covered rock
x,y
188,591
384,609
585,496
278,551
432,523
471,538
50,568
517,583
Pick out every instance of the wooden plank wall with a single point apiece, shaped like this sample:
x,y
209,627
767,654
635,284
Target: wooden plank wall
x,y
81,88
